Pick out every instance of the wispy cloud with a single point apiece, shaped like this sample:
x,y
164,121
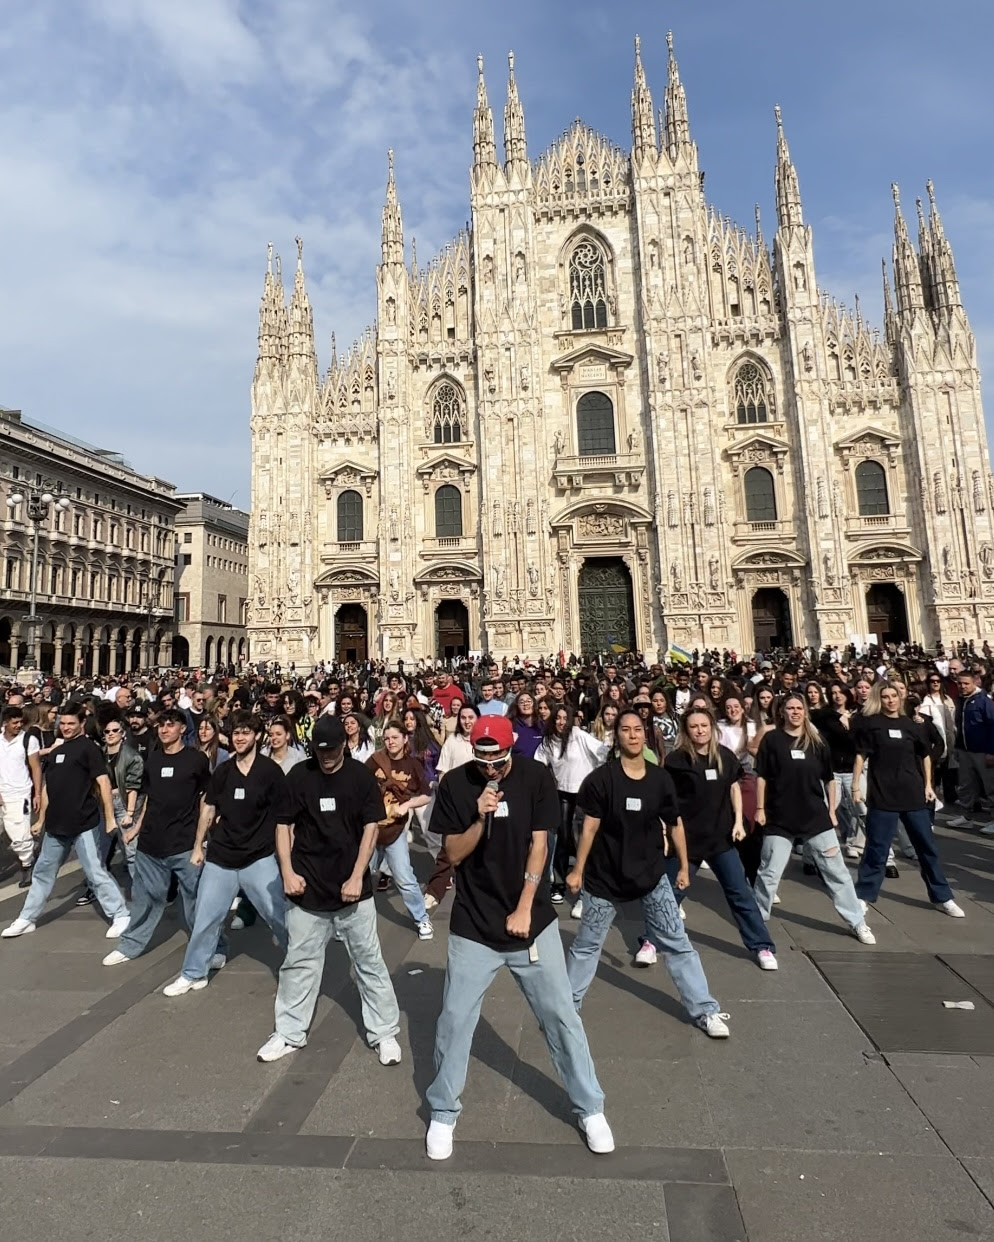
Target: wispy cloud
x,y
151,149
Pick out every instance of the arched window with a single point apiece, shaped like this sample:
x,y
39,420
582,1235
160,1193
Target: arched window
x,y
447,415
349,517
761,501
448,513
752,395
871,489
595,425
587,286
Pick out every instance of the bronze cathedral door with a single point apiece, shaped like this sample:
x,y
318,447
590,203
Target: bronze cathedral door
x,y
607,610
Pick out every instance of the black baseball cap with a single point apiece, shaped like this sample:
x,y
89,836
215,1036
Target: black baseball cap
x,y
328,734
137,709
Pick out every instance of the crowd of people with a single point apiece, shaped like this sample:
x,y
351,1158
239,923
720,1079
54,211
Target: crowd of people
x,y
530,784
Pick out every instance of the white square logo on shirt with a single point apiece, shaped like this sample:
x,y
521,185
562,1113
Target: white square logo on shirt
x,y
60,758
797,754
501,812
633,804
327,804
166,772
711,774
239,795
895,733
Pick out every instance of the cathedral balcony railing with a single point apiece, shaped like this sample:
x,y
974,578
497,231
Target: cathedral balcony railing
x,y
462,544
747,532
892,523
625,469
348,550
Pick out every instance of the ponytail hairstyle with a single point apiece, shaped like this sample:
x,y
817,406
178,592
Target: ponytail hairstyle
x,y
810,737
684,743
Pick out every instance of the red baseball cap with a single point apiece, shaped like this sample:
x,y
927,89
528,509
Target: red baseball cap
x,y
491,735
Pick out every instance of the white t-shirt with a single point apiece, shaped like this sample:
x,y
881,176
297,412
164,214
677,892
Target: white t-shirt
x,y
15,775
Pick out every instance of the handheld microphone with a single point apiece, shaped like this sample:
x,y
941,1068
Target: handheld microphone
x,y
488,820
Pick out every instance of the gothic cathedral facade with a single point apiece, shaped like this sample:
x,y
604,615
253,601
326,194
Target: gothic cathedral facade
x,y
606,418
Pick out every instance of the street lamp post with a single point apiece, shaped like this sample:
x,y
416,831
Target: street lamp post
x,y
153,600
39,504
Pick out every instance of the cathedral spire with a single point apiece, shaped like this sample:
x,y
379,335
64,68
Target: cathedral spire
x,y
392,243
760,239
789,211
943,264
643,115
484,142
300,342
515,151
907,274
888,303
269,318
926,264
677,119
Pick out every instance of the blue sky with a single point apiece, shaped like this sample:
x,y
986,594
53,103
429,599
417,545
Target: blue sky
x,y
149,149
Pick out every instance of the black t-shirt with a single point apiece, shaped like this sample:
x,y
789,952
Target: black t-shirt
x,y
895,747
70,773
142,742
628,856
705,801
329,813
795,780
490,880
172,785
248,809
841,741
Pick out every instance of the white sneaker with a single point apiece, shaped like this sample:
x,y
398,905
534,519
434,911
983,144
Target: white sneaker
x,y
218,962
118,927
431,901
598,1134
987,830
952,909
646,954
438,1140
19,927
767,960
683,915
713,1025
850,851
864,935
237,923
388,1050
274,1048
425,930
576,910
775,900
958,821
863,906
115,957
182,985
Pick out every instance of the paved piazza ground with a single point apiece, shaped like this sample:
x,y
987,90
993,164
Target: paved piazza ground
x,y
848,1104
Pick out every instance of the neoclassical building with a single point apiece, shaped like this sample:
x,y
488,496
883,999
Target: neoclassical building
x,y
608,418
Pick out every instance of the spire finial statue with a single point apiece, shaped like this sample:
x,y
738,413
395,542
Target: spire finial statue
x,y
515,151
484,141
789,211
269,257
677,120
392,238
643,112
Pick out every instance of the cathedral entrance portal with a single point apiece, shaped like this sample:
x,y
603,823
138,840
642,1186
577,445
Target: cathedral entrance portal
x,y
351,634
607,608
886,614
451,629
771,625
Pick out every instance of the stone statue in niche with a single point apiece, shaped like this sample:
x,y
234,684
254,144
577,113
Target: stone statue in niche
x,y
524,377
634,441
391,386
558,443
947,563
807,357
391,312
986,558
500,587
714,569
662,368
488,269
394,585
520,272
688,251
829,573
260,590
800,278
695,365
490,378
676,574
293,585
532,581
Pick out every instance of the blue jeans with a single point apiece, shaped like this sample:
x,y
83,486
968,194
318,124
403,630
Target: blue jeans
x,y
263,886
880,829
848,813
825,852
398,856
128,848
54,853
471,969
665,930
300,975
149,890
730,874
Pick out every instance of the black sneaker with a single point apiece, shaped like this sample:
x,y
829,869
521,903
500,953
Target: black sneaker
x,y
85,898
25,880
891,872
383,883
558,896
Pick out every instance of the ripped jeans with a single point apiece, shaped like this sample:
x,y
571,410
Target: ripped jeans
x,y
663,926
826,853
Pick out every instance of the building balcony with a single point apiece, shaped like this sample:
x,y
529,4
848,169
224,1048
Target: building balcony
x,y
884,523
349,550
623,469
462,545
763,532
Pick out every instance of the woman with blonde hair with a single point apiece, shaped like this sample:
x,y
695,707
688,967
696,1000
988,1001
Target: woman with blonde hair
x,y
386,714
795,798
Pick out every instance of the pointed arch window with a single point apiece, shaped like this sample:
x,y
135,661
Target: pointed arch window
x,y
760,495
871,489
595,425
448,513
349,517
752,395
588,286
448,415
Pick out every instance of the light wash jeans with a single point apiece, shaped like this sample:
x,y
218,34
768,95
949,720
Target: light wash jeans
x,y
300,975
665,929
850,814
128,848
54,853
471,969
149,890
398,857
825,852
262,885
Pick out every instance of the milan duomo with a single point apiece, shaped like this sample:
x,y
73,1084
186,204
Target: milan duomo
x,y
606,418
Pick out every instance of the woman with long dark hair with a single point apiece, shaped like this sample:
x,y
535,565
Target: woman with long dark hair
x,y
795,798
738,734
528,729
837,723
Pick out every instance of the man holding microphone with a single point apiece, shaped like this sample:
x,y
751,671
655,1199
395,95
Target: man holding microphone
x,y
494,815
